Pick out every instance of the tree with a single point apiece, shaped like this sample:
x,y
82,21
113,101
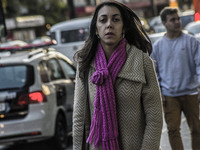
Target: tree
x,y
53,10
11,8
72,13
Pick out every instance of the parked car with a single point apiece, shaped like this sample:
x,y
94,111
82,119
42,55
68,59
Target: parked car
x,y
70,35
187,17
13,43
156,36
194,28
41,40
156,24
36,96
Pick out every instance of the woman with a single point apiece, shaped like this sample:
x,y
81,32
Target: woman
x,y
123,106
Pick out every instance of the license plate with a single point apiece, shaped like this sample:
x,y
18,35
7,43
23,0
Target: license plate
x,y
2,107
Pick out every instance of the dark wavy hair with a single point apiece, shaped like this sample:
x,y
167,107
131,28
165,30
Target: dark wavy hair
x,y
134,34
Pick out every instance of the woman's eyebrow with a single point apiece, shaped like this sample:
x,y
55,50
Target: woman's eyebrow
x,y
114,15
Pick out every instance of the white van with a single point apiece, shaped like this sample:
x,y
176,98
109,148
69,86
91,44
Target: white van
x,y
70,35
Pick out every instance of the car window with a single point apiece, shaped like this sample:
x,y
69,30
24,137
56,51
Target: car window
x,y
186,19
54,69
14,76
74,35
43,72
53,35
67,68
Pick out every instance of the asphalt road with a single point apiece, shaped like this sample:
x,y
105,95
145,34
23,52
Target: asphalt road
x,y
32,146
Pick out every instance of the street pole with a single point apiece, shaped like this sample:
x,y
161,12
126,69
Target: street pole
x,y
3,30
153,8
71,8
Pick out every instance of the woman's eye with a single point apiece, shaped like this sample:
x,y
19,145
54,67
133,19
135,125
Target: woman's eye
x,y
116,19
102,20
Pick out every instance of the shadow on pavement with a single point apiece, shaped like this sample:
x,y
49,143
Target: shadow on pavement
x,y
37,146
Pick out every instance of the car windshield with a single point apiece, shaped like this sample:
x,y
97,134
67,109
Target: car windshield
x,y
13,76
186,19
74,35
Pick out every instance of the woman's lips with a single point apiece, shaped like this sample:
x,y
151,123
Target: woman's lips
x,y
109,34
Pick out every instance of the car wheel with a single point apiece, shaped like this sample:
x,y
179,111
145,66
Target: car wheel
x,y
59,141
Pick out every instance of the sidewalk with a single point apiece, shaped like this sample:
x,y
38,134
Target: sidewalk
x,y
185,134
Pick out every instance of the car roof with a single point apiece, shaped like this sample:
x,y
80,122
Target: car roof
x,y
192,24
187,12
72,24
158,34
29,56
8,57
13,43
155,36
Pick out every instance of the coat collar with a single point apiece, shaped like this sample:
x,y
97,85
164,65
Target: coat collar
x,y
133,68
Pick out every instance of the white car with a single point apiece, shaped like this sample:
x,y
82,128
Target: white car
x,y
194,28
70,35
156,36
13,43
36,96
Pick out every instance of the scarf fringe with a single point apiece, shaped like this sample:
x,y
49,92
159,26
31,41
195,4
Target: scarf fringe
x,y
95,126
91,135
99,131
111,144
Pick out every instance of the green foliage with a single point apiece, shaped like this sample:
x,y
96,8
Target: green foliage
x,y
53,10
12,8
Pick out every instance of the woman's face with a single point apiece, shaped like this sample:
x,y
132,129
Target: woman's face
x,y
109,26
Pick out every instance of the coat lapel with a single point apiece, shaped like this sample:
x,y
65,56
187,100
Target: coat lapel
x,y
133,68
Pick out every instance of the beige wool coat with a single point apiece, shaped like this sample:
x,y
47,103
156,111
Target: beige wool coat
x,y
138,103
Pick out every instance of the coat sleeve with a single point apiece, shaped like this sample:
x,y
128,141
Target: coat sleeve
x,y
78,113
151,99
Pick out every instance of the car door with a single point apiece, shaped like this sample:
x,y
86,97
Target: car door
x,y
64,87
70,73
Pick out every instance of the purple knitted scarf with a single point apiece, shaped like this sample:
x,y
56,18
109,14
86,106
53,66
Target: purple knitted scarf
x,y
104,129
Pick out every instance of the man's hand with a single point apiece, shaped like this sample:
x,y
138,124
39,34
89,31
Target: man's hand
x,y
163,100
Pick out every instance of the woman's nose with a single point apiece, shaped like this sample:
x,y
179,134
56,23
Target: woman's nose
x,y
109,24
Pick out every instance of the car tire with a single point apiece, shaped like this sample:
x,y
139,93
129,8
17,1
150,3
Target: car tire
x,y
59,141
